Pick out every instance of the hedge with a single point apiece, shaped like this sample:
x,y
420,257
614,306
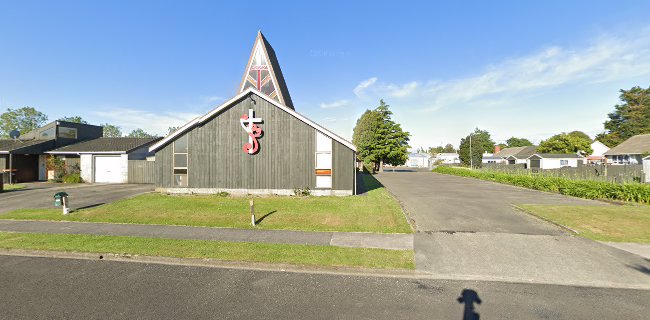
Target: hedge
x,y
632,192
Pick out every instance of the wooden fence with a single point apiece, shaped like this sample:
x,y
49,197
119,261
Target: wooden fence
x,y
142,171
611,173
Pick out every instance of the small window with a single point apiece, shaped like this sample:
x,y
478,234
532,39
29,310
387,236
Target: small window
x,y
324,182
68,133
49,133
564,162
180,162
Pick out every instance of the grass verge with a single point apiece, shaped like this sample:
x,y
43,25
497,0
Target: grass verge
x,y
232,251
378,211
623,223
631,192
11,187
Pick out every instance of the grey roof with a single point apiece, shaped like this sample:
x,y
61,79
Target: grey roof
x,y
19,145
107,145
558,155
638,144
418,155
273,60
517,152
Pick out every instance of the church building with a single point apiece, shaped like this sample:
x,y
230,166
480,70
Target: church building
x,y
255,143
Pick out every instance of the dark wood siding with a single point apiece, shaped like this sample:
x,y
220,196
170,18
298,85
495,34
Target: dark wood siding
x,y
285,160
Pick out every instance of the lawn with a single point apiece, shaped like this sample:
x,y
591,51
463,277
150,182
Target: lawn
x,y
377,211
11,187
616,223
234,251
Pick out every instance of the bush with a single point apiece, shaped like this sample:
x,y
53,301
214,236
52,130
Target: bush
x,y
302,192
632,192
73,178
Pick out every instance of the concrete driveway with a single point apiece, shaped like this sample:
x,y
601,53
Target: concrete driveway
x,y
469,229
40,195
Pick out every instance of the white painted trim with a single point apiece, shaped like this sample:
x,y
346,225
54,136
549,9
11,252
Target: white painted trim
x,y
244,192
86,152
228,103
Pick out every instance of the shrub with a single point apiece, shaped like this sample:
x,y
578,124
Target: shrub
x,y
632,192
73,178
222,194
302,192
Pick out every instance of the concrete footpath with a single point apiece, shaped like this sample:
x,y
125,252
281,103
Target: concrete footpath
x,y
338,239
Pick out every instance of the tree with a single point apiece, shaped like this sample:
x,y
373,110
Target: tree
x,y
24,120
481,142
569,143
631,117
139,133
580,134
448,148
75,119
112,131
379,139
171,130
518,142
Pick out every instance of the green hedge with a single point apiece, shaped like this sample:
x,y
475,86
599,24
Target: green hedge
x,y
633,192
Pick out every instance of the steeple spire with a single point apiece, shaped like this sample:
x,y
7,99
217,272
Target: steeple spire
x,y
263,72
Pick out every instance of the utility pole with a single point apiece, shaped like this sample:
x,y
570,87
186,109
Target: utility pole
x,y
471,158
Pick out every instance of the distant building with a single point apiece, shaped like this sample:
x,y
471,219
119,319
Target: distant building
x,y
554,161
597,155
418,160
516,155
630,151
646,168
491,158
447,158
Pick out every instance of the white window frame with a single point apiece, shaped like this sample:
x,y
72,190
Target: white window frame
x,y
324,147
187,161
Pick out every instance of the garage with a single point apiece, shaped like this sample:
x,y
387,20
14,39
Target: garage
x,y
108,169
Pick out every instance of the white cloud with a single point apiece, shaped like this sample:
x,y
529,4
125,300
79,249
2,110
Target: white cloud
x,y
363,86
151,122
335,104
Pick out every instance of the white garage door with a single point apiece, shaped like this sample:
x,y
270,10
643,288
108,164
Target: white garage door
x,y
108,169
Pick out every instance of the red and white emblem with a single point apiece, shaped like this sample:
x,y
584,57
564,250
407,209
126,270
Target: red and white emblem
x,y
248,122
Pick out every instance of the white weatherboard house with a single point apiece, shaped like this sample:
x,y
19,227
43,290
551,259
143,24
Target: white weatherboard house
x,y
418,160
630,151
597,155
646,168
447,158
105,160
554,161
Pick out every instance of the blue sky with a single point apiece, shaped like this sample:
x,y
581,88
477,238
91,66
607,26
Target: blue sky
x,y
514,68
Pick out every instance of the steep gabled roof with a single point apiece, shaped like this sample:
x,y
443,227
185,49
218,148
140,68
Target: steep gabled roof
x,y
200,120
106,145
263,73
638,144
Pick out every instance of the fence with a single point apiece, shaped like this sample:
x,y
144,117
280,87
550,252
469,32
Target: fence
x,y
142,171
610,173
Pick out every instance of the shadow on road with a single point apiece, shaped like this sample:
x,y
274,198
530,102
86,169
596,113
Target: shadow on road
x,y
641,268
469,297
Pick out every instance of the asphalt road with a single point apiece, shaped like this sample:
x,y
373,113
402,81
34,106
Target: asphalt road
x,y
34,288
41,195
469,229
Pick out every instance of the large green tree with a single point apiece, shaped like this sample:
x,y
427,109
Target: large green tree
x,y
23,119
518,142
481,142
630,117
75,119
569,143
112,131
379,139
139,133
448,148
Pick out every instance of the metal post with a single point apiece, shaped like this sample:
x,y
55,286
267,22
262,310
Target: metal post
x,y
64,200
252,205
471,158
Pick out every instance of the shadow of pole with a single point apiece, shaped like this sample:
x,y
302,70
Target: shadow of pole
x,y
469,297
258,221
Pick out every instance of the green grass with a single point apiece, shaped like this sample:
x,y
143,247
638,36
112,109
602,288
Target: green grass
x,y
232,251
376,212
11,187
616,223
630,192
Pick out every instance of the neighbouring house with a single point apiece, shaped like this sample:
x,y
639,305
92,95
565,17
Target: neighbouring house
x,y
491,158
24,158
554,161
646,169
255,143
418,160
447,158
630,151
105,160
597,155
516,155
